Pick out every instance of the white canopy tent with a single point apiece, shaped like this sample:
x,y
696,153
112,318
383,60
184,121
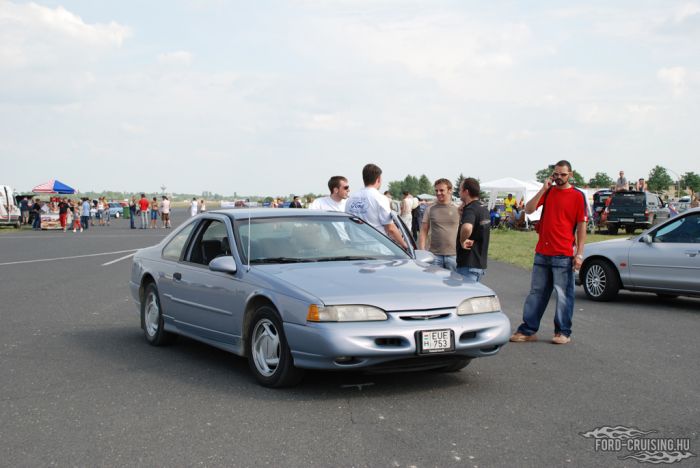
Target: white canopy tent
x,y
519,189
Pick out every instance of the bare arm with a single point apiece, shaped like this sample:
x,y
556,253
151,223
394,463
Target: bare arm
x,y
580,243
423,235
464,232
395,234
531,205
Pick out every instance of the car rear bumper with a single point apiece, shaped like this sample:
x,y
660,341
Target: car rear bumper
x,y
359,345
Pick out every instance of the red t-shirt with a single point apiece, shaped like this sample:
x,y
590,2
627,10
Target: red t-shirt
x,y
144,204
565,208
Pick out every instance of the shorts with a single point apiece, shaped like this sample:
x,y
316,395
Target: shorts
x,y
165,216
154,214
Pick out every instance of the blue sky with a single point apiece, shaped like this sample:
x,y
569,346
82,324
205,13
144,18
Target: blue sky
x,y
275,97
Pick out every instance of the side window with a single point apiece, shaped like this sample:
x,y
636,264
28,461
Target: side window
x,y
683,230
173,249
211,242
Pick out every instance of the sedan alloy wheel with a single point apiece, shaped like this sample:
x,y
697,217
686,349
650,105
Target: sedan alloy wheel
x,y
600,281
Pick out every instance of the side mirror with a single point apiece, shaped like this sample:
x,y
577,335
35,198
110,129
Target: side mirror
x,y
223,264
424,256
646,238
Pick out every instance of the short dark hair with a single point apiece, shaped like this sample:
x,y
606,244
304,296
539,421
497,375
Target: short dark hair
x,y
335,182
564,162
443,181
472,186
370,173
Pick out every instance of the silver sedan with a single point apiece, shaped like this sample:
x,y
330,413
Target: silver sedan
x,y
664,260
298,289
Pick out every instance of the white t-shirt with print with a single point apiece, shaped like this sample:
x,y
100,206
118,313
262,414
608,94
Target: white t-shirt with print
x,y
328,204
371,206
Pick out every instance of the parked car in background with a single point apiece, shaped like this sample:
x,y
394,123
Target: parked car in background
x,y
664,259
635,210
301,289
683,204
116,210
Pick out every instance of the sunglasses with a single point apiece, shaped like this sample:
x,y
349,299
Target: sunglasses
x,y
346,187
560,174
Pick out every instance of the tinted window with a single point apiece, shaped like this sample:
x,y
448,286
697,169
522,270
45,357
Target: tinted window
x,y
211,242
628,199
311,239
173,250
683,230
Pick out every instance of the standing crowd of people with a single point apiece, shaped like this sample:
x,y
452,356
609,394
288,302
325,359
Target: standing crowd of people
x,y
148,212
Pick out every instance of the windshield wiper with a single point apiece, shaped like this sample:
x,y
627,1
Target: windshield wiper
x,y
282,260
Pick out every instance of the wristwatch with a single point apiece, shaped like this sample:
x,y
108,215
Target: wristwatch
x,y
579,256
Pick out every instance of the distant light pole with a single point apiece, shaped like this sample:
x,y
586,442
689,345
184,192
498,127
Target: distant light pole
x,y
678,194
162,189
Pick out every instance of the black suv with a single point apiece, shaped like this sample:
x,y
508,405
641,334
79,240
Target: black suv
x,y
635,210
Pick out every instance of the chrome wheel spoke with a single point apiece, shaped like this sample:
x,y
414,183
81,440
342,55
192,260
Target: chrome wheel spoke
x,y
266,347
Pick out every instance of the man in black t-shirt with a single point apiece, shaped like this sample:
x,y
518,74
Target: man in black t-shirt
x,y
474,232
63,208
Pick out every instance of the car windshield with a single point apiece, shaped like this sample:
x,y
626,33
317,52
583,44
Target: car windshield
x,y
628,199
312,239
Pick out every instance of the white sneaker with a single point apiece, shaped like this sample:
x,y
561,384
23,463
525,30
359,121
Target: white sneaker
x,y
81,229
73,229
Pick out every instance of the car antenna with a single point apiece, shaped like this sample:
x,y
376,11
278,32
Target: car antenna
x,y
249,234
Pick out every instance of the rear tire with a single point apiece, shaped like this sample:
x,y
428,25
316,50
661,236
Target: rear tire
x,y
269,356
600,280
152,318
612,229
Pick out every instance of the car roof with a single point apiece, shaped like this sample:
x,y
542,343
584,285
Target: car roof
x,y
254,213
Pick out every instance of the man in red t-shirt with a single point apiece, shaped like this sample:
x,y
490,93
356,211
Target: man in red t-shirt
x,y
559,251
144,205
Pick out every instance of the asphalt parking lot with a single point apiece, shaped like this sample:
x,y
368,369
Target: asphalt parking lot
x,y
81,387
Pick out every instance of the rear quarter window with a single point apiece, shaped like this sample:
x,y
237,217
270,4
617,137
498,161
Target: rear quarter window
x,y
628,199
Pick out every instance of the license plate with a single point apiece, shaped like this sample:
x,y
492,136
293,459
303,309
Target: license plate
x,y
435,341
626,220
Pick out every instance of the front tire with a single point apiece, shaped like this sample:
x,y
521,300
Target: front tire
x,y
600,281
152,318
269,356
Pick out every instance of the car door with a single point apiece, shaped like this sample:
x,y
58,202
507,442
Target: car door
x,y
212,302
171,257
405,233
672,260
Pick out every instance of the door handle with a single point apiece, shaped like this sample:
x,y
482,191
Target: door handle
x,y
177,276
691,253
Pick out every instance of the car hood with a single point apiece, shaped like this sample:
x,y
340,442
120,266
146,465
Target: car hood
x,y
391,285
605,245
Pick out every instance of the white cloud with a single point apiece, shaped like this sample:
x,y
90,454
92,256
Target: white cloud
x,y
179,57
675,77
32,34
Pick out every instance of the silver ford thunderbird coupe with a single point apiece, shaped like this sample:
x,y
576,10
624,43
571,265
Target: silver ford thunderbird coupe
x,y
298,289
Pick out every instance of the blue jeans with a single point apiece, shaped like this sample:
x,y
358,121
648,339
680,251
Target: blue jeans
x,y
85,222
473,274
446,261
132,215
37,221
550,274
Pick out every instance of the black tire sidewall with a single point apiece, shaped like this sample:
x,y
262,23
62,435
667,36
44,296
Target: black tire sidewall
x,y
285,374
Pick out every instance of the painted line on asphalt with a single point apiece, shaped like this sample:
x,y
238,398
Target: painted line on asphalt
x,y
119,259
68,258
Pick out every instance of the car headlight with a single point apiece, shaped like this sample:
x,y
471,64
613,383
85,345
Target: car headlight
x,y
479,305
344,313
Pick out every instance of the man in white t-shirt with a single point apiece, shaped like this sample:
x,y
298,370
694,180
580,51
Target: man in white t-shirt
x,y
373,207
193,207
165,211
340,189
406,208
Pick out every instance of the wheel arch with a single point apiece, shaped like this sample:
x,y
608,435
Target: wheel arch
x,y
146,279
603,258
253,304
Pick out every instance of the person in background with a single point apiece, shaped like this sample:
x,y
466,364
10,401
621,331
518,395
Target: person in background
x,y
340,190
165,211
474,232
373,207
440,224
63,208
406,208
621,183
144,205
154,213
108,215
193,207
132,212
36,209
85,214
76,216
100,212
696,201
24,210
295,202
202,206
642,185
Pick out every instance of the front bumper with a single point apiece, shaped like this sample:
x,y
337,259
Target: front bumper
x,y
357,345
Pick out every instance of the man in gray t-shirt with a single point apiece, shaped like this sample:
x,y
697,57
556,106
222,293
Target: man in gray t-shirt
x,y
440,224
621,182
